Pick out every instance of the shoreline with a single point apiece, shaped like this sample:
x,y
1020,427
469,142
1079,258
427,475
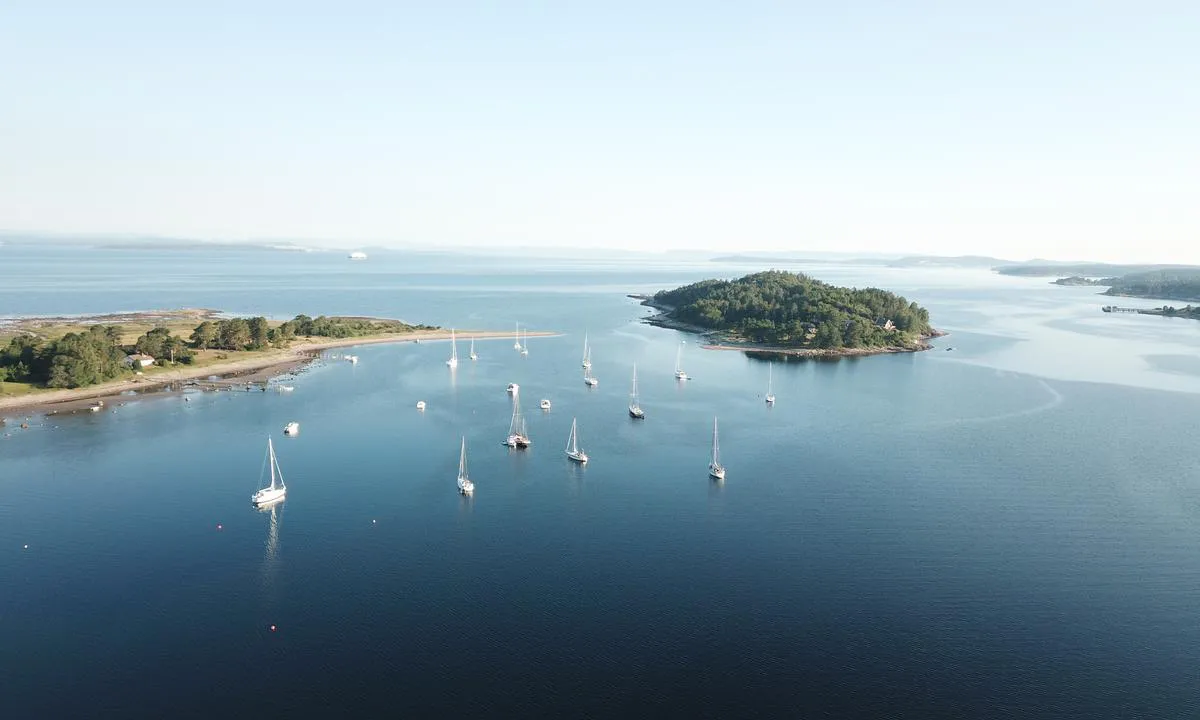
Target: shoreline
x,y
251,369
713,341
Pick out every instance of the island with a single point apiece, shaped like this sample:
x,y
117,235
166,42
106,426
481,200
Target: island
x,y
794,314
71,363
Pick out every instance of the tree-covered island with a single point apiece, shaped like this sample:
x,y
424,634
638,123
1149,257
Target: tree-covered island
x,y
795,312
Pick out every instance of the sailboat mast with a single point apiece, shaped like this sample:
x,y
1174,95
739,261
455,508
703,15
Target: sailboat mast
x,y
716,452
462,459
271,461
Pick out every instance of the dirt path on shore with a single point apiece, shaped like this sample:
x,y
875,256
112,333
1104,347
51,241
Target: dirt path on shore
x,y
255,369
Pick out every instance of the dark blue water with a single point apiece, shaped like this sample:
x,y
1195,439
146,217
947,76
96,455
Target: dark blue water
x,y
950,534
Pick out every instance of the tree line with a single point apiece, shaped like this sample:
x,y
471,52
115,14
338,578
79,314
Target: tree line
x,y
793,309
1166,284
79,359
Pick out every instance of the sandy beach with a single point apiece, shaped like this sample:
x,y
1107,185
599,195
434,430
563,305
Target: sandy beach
x,y
257,369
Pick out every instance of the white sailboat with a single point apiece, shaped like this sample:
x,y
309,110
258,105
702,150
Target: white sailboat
x,y
573,450
770,392
276,491
465,486
635,407
679,373
587,353
517,337
292,428
473,356
715,469
525,347
453,361
517,435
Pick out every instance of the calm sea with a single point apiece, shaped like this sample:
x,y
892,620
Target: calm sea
x,y
1008,529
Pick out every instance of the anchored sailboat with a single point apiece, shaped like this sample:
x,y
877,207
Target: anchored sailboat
x,y
588,379
715,468
770,392
473,356
573,450
587,353
525,347
635,407
517,436
679,373
453,361
517,337
465,486
276,491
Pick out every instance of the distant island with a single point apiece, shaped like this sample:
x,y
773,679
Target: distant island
x,y
794,314
46,361
1036,268
1079,281
1174,283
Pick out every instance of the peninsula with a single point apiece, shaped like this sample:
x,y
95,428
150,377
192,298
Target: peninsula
x,y
794,314
67,363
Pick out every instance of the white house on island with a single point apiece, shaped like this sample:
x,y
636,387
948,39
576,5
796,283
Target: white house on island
x,y
138,360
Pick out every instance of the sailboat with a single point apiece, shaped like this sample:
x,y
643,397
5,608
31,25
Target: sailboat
x,y
517,436
465,486
473,356
525,347
573,450
587,353
588,379
276,491
517,337
679,373
635,407
715,469
453,361
770,392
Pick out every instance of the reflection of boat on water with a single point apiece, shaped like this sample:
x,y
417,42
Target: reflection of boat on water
x,y
275,510
276,490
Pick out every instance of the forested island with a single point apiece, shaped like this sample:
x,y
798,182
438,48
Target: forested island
x,y
792,311
1165,284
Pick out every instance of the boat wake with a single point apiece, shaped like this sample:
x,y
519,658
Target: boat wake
x,y
1056,399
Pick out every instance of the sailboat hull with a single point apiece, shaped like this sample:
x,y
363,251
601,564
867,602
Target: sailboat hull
x,y
579,457
636,413
266,496
716,472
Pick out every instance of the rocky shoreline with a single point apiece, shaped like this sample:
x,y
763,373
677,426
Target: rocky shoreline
x,y
715,341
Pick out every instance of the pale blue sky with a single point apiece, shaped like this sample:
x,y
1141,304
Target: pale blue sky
x,y
1018,129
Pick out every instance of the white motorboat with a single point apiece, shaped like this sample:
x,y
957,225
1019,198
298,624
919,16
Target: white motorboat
x,y
544,404
453,361
465,486
284,388
358,256
635,405
573,450
276,490
352,359
292,428
420,404
770,377
715,469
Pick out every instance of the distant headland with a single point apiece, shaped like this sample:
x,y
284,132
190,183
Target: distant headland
x,y
793,314
66,363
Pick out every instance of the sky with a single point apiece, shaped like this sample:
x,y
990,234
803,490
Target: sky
x,y
1062,130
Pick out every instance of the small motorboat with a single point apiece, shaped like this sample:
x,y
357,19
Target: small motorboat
x,y
292,428
544,404
420,404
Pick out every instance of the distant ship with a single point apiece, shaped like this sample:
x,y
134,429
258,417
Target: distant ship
x,y
358,256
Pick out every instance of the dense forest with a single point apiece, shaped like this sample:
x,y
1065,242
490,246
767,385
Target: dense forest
x,y
79,359
1166,284
796,310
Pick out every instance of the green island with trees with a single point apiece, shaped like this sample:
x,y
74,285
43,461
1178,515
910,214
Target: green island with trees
x,y
68,354
796,312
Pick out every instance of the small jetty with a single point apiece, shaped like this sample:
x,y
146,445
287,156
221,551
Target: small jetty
x,y
1115,309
